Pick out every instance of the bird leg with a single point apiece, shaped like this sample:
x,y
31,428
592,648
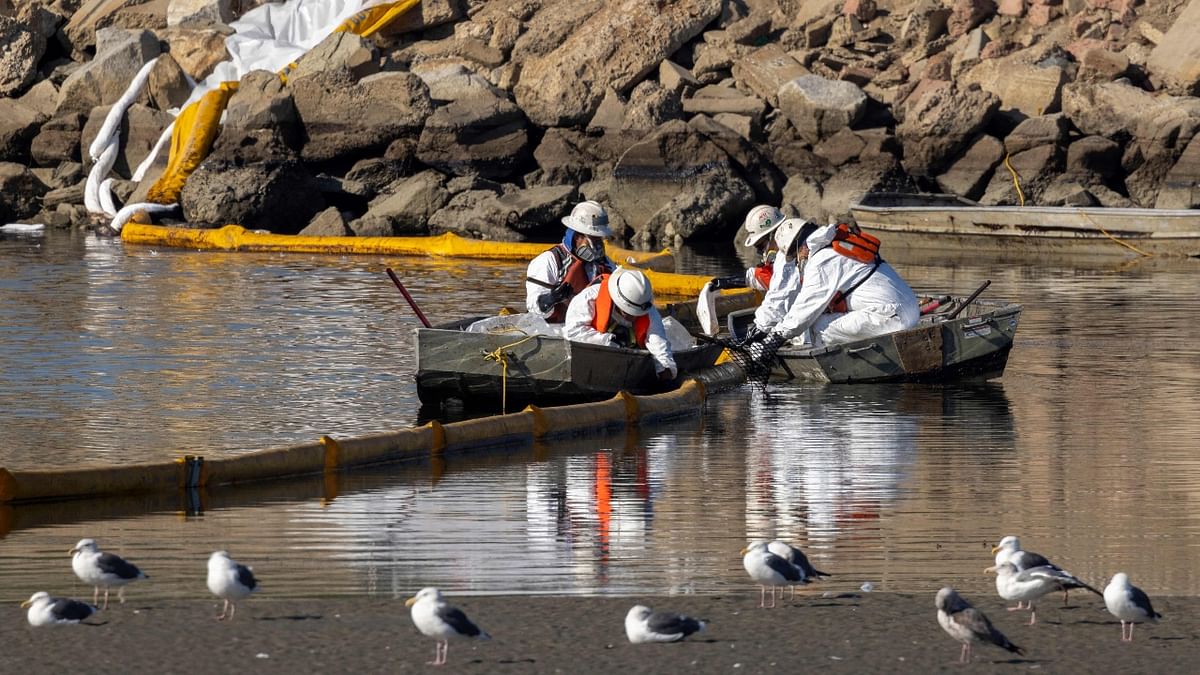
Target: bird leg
x,y
964,655
121,594
95,595
1032,614
232,610
1066,591
105,598
441,649
1020,605
223,612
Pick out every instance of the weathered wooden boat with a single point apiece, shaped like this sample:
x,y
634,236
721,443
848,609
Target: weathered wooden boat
x,y
541,369
941,222
974,345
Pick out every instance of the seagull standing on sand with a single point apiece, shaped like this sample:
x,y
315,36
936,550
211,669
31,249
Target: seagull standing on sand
x,y
437,619
47,611
1009,551
1031,584
1128,603
968,625
768,569
229,581
99,569
796,557
644,625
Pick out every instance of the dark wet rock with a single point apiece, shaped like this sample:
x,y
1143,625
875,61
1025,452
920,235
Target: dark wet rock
x,y
484,135
19,125
969,174
407,207
22,192
105,78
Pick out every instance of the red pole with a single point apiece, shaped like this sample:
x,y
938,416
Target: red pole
x,y
411,303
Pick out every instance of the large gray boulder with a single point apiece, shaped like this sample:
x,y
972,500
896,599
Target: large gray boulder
x,y
484,135
22,192
278,195
1181,187
343,118
969,174
407,208
18,57
818,108
1176,60
18,126
58,140
610,50
513,215
765,70
105,78
940,124
679,184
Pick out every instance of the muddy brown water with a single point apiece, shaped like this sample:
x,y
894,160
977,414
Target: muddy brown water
x,y
1087,447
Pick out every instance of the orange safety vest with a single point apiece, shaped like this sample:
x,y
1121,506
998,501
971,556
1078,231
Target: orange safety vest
x,y
855,244
602,322
573,271
762,274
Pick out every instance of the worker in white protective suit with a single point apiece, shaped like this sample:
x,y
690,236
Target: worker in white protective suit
x,y
784,286
848,292
760,222
617,310
559,273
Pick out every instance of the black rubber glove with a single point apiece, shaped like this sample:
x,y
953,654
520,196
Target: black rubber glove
x,y
546,301
735,281
762,351
753,334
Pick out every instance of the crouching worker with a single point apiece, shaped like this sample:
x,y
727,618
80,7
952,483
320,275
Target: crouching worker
x,y
849,293
617,310
558,274
760,222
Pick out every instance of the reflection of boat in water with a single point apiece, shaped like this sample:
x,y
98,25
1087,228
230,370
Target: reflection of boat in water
x,y
454,363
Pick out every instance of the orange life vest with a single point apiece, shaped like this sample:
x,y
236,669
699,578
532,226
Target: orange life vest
x,y
762,274
603,321
855,244
572,270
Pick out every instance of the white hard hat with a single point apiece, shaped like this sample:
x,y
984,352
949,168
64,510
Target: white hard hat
x,y
589,218
630,290
760,222
792,230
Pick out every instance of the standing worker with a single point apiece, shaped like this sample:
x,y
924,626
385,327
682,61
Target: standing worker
x,y
849,292
559,273
617,310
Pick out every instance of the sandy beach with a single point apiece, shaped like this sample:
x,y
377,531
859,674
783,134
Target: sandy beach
x,y
851,633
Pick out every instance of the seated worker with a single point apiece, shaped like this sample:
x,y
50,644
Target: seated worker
x,y
784,286
617,310
849,292
556,275
760,222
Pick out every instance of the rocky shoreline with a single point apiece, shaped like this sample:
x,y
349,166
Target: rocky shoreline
x,y
490,119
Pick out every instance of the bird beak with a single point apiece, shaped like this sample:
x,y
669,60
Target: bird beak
x,y
74,550
410,602
745,550
995,549
990,569
26,603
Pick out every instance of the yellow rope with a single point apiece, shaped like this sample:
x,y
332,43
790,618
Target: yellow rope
x,y
500,357
1123,243
1016,180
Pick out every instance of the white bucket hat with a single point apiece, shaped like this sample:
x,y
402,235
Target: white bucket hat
x,y
589,218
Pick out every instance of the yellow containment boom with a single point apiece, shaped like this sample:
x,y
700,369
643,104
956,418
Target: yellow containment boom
x,y
450,245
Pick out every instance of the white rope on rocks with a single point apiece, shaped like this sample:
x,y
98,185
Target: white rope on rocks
x,y
97,196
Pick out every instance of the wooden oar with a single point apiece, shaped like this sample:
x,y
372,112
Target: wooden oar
x,y
969,300
411,303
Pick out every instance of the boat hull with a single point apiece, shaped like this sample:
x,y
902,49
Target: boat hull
x,y
974,346
453,364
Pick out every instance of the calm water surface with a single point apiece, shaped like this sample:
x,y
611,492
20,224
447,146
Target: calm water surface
x,y
1087,447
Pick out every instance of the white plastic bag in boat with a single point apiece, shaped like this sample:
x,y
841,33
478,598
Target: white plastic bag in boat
x,y
677,336
706,310
517,324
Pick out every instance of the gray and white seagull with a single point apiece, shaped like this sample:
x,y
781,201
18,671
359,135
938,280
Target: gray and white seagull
x,y
229,581
434,617
48,611
1128,603
968,625
1031,584
102,570
1009,551
768,569
643,624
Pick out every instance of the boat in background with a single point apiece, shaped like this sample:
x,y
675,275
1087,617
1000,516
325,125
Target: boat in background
x,y
940,222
